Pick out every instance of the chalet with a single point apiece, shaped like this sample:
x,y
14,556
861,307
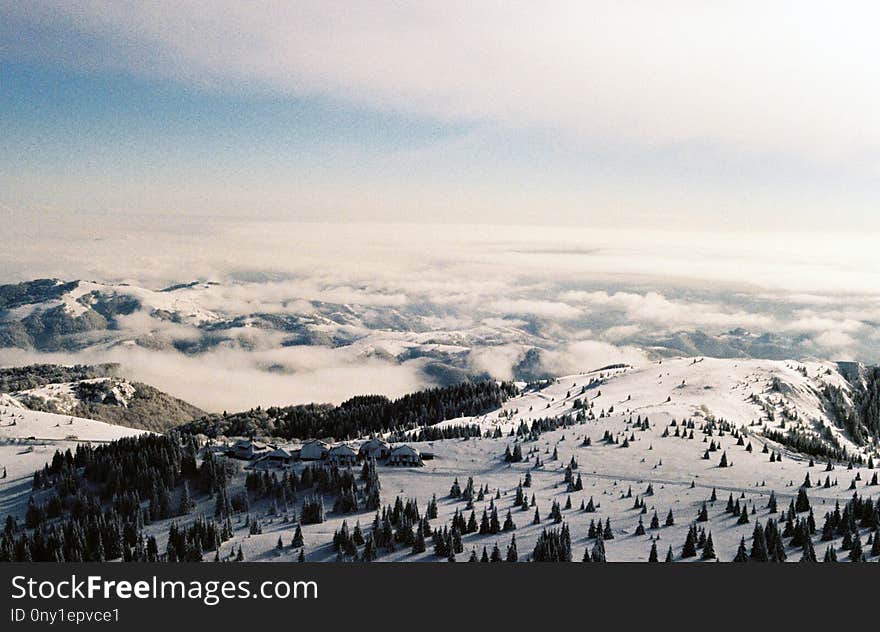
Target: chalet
x,y
405,455
314,450
342,455
277,458
248,450
374,448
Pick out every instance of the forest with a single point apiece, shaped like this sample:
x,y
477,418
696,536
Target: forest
x,y
359,416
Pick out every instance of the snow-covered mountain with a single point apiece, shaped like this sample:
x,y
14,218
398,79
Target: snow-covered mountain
x,y
670,441
443,342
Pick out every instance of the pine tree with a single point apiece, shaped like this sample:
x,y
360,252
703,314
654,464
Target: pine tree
x,y
484,523
509,525
803,502
741,556
703,515
607,533
771,503
186,501
297,541
640,528
419,542
496,554
690,544
760,552
855,553
830,555
709,548
512,555
809,553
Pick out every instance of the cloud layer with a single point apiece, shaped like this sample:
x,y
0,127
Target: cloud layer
x,y
380,308
739,74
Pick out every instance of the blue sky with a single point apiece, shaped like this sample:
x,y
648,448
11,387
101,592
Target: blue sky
x,y
726,116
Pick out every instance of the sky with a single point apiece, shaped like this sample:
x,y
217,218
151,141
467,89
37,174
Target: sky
x,y
713,115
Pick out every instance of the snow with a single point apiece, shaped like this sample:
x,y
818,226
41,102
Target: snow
x,y
29,439
62,397
680,389
681,479
183,302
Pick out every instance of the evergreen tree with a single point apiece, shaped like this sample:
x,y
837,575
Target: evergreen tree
x,y
741,555
297,541
709,549
512,555
690,544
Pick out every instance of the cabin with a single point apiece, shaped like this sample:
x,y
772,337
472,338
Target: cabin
x,y
406,456
374,448
277,458
314,450
342,455
248,450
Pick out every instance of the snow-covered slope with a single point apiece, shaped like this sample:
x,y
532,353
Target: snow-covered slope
x,y
743,392
109,398
712,394
65,397
654,434
29,439
18,423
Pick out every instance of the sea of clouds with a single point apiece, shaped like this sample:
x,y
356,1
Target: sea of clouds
x,y
586,297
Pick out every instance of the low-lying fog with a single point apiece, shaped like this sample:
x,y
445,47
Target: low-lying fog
x,y
478,295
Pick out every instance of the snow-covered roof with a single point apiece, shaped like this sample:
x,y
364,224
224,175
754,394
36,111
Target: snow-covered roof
x,y
372,444
278,453
316,442
405,450
244,444
342,449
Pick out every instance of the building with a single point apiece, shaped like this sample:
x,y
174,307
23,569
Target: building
x,y
277,458
342,455
406,456
374,448
248,450
314,450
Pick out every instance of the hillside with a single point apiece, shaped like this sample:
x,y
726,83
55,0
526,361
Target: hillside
x,y
94,392
661,455
29,439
